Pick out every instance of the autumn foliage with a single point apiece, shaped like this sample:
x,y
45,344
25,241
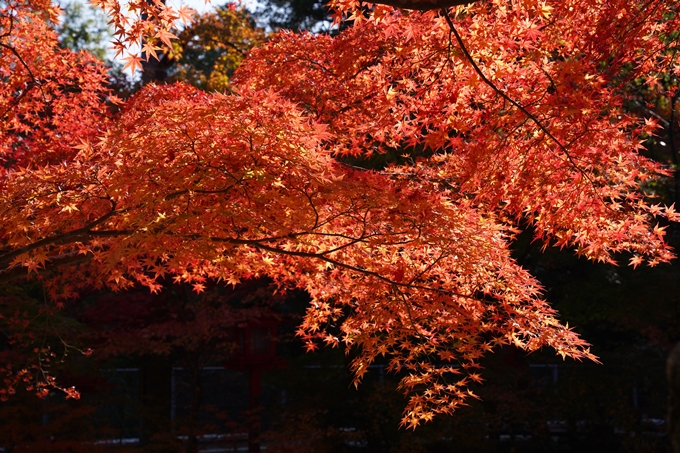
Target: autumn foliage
x,y
514,109
51,98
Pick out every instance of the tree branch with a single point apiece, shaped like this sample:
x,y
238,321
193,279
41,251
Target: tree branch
x,y
519,106
12,273
58,239
424,5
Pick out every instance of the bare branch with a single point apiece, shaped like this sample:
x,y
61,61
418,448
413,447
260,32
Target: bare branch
x,y
426,5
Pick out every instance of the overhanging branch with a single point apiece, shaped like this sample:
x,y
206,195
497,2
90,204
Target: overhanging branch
x,y
66,259
424,5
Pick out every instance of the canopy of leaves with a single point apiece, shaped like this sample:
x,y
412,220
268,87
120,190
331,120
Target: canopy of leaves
x,y
51,98
515,103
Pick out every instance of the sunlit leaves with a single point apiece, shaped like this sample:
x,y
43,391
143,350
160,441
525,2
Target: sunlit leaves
x,y
51,99
516,120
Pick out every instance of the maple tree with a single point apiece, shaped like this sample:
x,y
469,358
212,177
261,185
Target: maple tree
x,y
515,105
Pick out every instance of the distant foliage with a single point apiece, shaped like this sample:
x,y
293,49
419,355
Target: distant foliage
x,y
84,28
207,52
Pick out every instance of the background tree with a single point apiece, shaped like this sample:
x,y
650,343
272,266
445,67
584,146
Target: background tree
x,y
84,28
295,15
181,329
208,51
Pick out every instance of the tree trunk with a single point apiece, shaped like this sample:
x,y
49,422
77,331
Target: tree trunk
x,y
156,394
254,393
673,418
194,407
